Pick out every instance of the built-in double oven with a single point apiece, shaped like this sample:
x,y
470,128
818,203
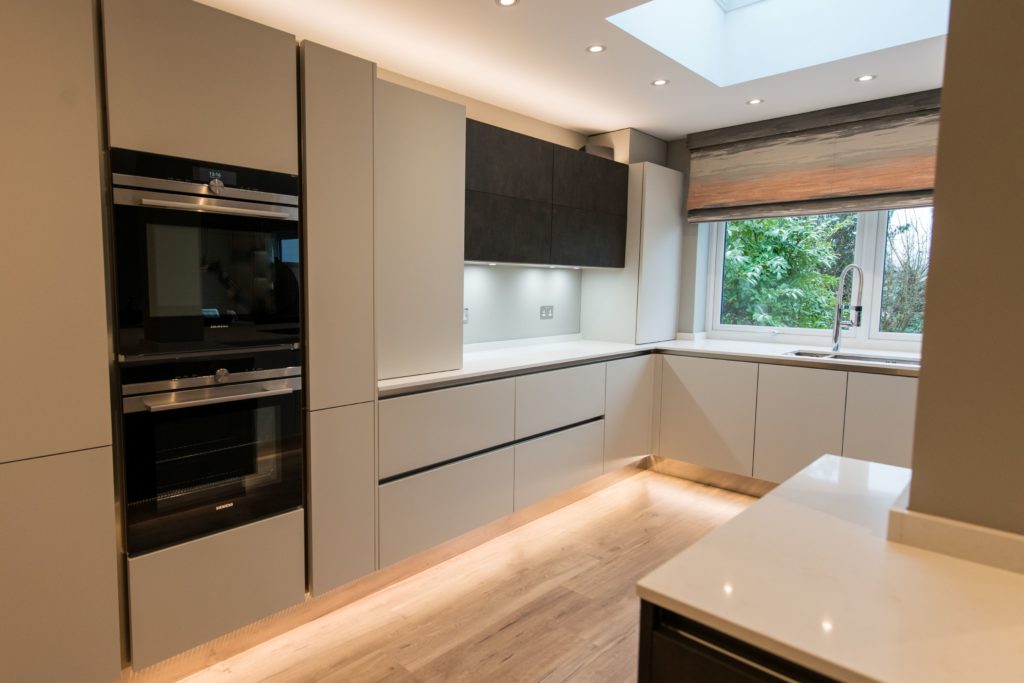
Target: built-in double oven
x,y
208,295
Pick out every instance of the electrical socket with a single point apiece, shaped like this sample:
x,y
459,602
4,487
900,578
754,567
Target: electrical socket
x,y
465,316
547,312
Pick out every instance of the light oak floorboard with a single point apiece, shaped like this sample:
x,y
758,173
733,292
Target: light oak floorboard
x,y
549,601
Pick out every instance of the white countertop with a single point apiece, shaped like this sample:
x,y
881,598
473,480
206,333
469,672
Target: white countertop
x,y
807,573
520,358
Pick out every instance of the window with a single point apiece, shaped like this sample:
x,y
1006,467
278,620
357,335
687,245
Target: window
x,y
779,276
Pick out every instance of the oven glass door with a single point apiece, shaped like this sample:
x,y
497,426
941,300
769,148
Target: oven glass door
x,y
191,281
201,461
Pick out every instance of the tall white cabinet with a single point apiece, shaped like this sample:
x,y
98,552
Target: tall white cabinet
x,y
419,214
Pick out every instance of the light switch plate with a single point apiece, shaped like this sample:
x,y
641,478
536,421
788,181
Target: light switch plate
x,y
547,312
465,316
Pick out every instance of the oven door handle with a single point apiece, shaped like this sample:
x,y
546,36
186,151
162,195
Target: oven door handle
x,y
213,208
177,405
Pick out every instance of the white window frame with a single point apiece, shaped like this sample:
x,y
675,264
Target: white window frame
x,y
869,253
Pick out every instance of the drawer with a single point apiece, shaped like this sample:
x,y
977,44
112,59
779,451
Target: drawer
x,y
424,429
549,400
188,594
426,509
557,462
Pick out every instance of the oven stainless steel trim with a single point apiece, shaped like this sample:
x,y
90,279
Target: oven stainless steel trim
x,y
128,197
183,187
174,355
191,398
208,381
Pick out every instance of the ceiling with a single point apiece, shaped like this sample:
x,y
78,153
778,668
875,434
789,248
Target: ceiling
x,y
531,58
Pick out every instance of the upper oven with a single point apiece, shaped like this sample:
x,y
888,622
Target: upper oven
x,y
207,256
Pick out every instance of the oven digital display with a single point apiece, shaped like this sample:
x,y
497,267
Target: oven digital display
x,y
205,175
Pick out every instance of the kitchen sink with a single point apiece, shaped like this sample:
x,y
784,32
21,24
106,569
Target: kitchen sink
x,y
855,357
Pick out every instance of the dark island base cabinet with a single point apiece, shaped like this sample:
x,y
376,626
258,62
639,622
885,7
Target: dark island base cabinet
x,y
587,238
676,649
507,229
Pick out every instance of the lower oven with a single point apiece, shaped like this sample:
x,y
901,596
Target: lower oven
x,y
204,459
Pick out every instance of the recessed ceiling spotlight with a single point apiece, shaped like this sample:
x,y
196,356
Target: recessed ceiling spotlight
x,y
595,49
865,78
756,100
659,82
506,3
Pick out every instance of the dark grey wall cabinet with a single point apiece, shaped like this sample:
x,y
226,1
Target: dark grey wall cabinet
x,y
530,201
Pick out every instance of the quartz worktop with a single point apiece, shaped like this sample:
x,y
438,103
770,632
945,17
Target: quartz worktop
x,y
807,573
493,362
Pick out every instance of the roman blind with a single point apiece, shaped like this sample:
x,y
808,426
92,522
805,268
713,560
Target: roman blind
x,y
864,157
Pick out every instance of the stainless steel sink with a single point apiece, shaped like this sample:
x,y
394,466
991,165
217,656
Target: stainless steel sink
x,y
854,357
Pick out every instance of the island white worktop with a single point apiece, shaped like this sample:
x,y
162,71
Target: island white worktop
x,y
490,361
806,573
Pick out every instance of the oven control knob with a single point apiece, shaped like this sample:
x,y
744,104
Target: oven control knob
x,y
216,186
221,375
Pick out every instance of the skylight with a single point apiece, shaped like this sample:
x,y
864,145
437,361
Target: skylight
x,y
735,41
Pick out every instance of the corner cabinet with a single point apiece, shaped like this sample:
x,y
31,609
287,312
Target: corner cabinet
x,y
530,201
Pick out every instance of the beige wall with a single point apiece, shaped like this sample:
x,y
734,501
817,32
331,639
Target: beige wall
x,y
968,454
496,116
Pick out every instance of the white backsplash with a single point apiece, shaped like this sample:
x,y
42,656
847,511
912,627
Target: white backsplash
x,y
504,302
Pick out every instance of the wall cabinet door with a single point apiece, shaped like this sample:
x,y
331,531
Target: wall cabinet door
x,y
629,402
507,229
707,412
581,237
506,163
585,181
426,509
191,81
419,215
59,569
341,508
337,142
558,398
880,413
800,414
551,464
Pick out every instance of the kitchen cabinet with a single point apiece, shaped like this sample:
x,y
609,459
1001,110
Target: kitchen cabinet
x,y
588,182
426,509
628,410
419,226
506,163
507,229
424,429
707,412
551,464
587,238
187,594
880,414
800,413
60,569
56,358
188,80
558,398
337,144
639,303
341,507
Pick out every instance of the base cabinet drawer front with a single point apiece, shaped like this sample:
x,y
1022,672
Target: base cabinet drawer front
x,y
707,412
800,413
342,505
426,509
880,414
58,569
557,462
559,398
424,429
629,403
188,594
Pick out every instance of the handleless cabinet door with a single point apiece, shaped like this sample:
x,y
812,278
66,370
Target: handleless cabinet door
x,y
58,572
558,398
587,238
507,229
191,81
337,94
585,181
880,413
549,465
506,163
628,418
707,412
800,413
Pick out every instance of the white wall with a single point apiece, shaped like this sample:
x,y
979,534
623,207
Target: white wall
x,y
504,302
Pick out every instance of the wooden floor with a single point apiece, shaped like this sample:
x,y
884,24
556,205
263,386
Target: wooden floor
x,y
550,601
